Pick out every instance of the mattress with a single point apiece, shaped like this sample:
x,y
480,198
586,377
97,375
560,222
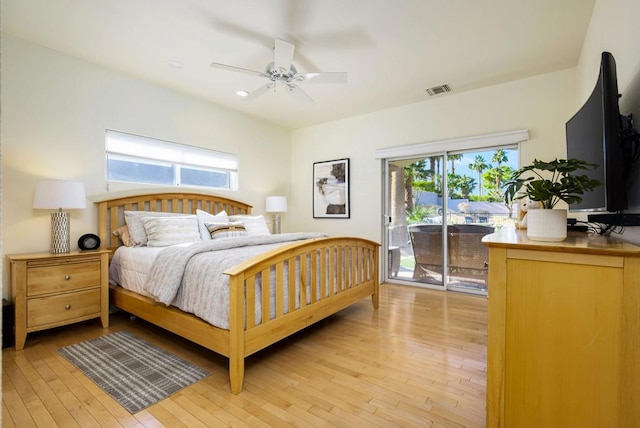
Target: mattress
x,y
130,266
199,287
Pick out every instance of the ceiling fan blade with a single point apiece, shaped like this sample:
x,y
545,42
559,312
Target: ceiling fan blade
x,y
283,55
300,96
261,90
234,68
325,77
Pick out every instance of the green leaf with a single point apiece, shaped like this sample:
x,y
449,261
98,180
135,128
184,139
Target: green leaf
x,y
533,181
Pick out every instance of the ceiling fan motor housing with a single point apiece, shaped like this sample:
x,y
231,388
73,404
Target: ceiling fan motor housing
x,y
280,75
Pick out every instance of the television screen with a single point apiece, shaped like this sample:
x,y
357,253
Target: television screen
x,y
594,135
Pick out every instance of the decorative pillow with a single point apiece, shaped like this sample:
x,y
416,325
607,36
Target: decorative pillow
x,y
136,227
165,231
205,217
226,229
123,234
254,224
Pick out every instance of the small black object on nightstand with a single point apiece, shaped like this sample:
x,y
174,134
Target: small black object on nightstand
x,y
89,242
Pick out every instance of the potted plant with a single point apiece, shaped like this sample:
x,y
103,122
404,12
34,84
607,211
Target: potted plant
x,y
550,183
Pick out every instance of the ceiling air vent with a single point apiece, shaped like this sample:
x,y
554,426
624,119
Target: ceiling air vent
x,y
436,90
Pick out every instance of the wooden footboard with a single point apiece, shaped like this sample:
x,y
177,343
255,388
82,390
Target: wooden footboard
x,y
333,273
323,276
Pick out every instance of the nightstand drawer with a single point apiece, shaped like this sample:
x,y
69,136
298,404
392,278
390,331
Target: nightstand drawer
x,y
64,277
63,307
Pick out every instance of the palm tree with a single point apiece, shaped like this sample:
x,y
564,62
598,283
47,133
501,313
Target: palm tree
x,y
466,185
437,160
412,173
499,157
434,168
453,158
479,165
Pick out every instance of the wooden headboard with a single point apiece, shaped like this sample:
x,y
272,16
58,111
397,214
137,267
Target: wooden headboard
x,y
111,211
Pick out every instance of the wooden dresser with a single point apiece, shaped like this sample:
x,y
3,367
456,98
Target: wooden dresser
x,y
564,332
51,290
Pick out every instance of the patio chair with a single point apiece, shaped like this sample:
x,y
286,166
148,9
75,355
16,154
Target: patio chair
x,y
426,241
467,255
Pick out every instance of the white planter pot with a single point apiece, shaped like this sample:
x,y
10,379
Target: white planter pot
x,y
547,225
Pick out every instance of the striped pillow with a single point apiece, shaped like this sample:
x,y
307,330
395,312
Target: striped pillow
x,y
165,231
226,229
205,217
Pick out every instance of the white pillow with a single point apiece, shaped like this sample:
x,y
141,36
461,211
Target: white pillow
x,y
225,229
136,227
256,225
165,231
205,217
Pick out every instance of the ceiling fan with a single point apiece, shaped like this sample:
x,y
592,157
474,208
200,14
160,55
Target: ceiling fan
x,y
282,73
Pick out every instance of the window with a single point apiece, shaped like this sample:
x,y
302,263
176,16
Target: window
x,y
135,159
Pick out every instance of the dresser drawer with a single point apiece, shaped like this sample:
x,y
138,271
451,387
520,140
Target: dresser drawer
x,y
63,307
62,277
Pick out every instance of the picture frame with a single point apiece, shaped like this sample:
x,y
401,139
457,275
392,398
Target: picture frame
x,y
331,189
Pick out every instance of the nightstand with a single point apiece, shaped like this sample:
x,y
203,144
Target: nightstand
x,y
52,290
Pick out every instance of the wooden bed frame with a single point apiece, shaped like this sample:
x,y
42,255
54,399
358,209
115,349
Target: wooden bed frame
x,y
347,272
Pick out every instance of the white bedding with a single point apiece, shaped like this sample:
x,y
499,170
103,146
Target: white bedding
x,y
130,266
202,290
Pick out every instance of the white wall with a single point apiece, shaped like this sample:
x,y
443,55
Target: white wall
x,y
55,110
614,27
540,104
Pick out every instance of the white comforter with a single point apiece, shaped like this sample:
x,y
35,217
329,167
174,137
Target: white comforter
x,y
191,277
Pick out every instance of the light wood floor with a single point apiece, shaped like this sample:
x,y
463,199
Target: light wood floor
x,y
419,360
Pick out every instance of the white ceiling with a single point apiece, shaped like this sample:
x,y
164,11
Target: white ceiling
x,y
392,50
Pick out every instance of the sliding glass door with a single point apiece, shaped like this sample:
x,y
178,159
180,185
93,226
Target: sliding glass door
x,y
417,220
435,226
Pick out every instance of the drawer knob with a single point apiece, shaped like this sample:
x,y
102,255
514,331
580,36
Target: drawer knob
x,y
67,307
67,277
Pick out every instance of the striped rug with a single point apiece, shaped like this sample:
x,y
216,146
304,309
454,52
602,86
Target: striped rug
x,y
135,373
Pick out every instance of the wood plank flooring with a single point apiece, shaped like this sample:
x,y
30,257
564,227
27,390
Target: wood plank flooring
x,y
419,360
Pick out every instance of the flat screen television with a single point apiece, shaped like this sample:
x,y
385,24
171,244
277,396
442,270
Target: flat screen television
x,y
594,134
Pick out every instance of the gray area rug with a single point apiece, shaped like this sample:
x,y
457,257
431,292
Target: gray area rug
x,y
135,373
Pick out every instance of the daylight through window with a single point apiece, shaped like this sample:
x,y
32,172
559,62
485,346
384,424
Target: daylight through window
x,y
136,159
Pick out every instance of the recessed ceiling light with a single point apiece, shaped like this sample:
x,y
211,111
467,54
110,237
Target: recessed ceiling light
x,y
242,93
175,64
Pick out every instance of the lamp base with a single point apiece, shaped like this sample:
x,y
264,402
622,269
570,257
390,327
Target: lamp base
x,y
276,223
60,233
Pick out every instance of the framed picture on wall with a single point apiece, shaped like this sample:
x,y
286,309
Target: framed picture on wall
x,y
331,189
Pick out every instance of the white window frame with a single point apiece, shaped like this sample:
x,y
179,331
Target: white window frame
x,y
131,147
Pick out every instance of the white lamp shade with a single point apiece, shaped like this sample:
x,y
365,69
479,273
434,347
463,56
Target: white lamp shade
x,y
276,204
59,194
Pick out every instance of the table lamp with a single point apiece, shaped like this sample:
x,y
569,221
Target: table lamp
x,y
59,195
276,205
